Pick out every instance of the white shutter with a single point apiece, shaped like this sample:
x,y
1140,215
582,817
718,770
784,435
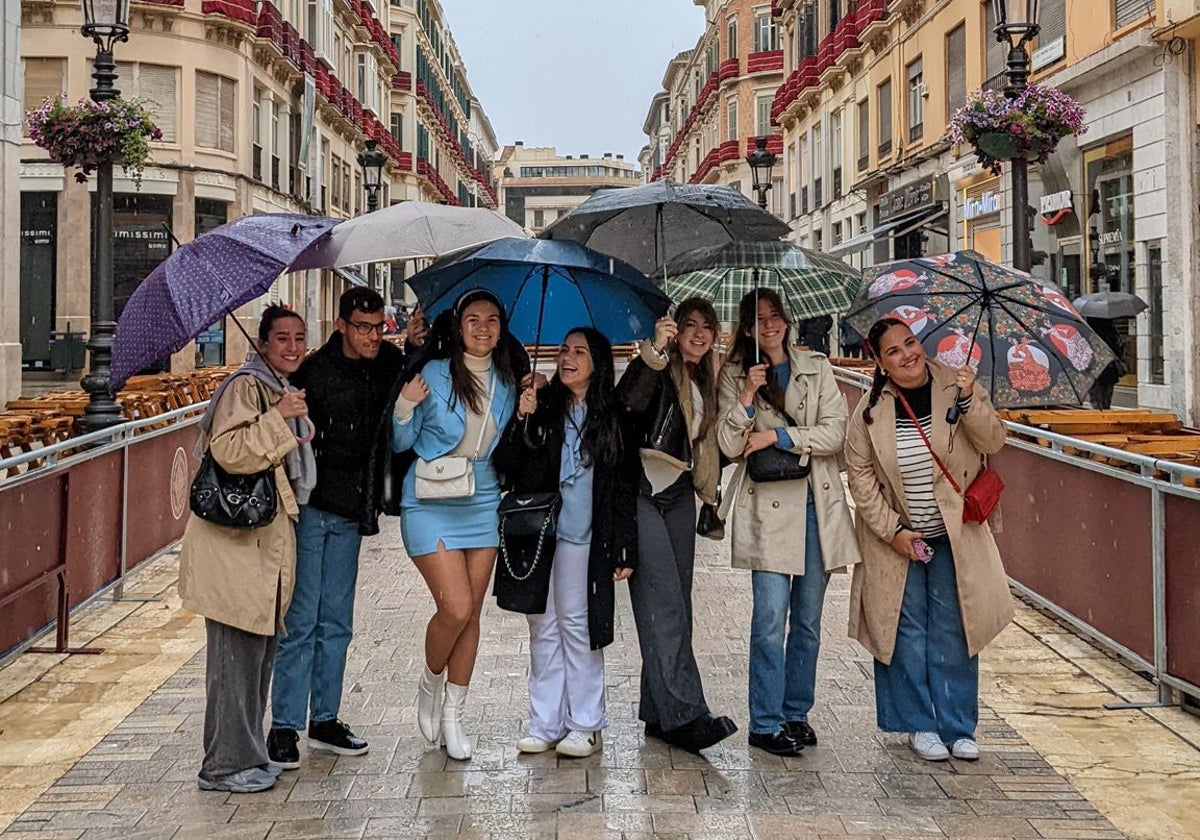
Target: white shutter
x,y
956,68
44,78
1129,11
228,110
156,85
1052,16
207,110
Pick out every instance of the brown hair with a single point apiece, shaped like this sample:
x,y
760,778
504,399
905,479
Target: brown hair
x,y
706,375
874,337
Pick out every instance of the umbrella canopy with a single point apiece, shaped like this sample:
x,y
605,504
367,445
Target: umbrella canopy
x,y
1109,305
408,230
650,225
204,280
809,282
1026,341
547,288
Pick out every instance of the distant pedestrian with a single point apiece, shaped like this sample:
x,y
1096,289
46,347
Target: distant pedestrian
x,y
776,397
570,438
850,339
451,415
1101,393
241,580
671,391
931,590
813,333
347,383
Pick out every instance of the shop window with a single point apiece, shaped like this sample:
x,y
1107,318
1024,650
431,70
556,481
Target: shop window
x,y
1154,277
38,267
1111,244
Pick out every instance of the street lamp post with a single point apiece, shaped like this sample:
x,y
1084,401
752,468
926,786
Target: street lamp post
x,y
105,22
1017,33
761,162
372,162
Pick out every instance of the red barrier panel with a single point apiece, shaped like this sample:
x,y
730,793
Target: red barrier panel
x,y
160,475
1183,586
33,517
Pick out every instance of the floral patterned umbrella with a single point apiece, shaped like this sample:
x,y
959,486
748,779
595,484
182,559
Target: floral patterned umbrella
x,y
1021,334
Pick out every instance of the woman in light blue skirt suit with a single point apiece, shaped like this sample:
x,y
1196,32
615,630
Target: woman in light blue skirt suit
x,y
455,407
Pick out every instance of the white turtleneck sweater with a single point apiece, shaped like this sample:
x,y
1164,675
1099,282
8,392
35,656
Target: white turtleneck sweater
x,y
481,369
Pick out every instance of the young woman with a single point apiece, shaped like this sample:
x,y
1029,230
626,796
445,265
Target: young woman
x,y
569,437
240,579
456,406
931,591
773,394
671,392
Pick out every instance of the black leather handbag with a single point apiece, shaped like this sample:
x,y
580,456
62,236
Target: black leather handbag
x,y
528,536
233,501
775,464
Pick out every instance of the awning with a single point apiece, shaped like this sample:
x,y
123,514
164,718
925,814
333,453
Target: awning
x,y
908,222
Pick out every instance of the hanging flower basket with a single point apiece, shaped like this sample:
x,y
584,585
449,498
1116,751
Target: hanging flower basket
x,y
88,134
1027,126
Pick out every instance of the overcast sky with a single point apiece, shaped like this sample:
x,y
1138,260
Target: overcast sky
x,y
575,74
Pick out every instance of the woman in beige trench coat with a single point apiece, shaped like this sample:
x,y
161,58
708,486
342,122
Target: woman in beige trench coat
x,y
240,579
789,533
923,615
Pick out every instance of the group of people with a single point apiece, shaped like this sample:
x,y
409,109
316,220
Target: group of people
x,y
439,434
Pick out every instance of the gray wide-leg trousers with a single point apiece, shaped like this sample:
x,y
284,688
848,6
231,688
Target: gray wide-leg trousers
x,y
238,686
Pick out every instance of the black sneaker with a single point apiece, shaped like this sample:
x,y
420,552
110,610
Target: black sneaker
x,y
776,743
801,732
700,733
282,748
335,737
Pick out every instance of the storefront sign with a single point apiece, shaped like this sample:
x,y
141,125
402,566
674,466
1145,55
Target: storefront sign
x,y
1056,202
1049,53
907,199
986,204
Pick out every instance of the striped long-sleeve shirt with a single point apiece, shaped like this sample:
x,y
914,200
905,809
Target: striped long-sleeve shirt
x,y
917,468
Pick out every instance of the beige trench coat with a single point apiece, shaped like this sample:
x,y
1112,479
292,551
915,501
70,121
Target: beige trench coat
x,y
769,519
243,577
874,476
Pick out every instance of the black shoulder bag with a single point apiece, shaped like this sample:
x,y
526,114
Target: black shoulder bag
x,y
234,501
528,537
775,464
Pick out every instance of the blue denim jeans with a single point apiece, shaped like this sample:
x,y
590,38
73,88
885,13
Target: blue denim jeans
x,y
311,661
783,647
931,685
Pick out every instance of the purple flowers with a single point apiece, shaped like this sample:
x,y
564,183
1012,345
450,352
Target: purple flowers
x,y
1035,121
88,133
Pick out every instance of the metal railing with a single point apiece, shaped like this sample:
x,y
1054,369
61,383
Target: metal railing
x,y
1160,478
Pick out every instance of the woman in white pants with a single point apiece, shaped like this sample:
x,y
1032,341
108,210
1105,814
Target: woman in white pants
x,y
569,437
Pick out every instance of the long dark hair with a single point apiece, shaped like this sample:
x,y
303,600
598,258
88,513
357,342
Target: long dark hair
x,y
874,337
446,342
745,349
601,434
275,312
706,376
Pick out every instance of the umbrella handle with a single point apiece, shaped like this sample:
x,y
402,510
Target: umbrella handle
x,y
954,413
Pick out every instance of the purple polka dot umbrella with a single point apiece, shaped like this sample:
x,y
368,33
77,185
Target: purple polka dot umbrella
x,y
204,280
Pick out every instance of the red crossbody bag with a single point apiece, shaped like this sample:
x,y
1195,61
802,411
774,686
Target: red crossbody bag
x,y
982,496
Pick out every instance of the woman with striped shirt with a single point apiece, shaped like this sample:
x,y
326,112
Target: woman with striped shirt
x,y
931,591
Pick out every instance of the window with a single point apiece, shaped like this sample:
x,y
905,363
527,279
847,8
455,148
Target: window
x,y
319,27
731,35
1052,16
216,104
335,181
156,85
539,219
45,78
883,95
398,130
956,69
732,120
864,134
995,53
1126,12
836,232
916,101
766,33
366,80
818,162
256,135
835,153
762,111
835,13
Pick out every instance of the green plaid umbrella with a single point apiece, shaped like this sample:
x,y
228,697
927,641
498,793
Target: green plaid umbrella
x,y
809,282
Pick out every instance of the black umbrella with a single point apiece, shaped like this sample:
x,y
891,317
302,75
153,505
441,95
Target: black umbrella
x,y
649,225
1109,305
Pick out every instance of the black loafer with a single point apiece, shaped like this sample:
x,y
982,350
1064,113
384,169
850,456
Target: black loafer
x,y
776,743
801,732
700,733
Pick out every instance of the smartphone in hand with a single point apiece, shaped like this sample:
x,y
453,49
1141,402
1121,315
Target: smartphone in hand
x,y
923,550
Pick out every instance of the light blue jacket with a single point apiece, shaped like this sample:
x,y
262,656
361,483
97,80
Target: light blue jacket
x,y
440,421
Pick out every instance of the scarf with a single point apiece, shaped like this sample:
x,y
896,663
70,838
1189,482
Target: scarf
x,y
299,464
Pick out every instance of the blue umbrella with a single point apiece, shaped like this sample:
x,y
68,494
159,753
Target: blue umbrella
x,y
203,281
547,287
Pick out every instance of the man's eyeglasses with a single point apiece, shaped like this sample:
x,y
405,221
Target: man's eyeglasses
x,y
363,328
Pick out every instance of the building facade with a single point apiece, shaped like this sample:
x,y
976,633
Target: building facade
x,y
716,100
11,234
537,185
264,107
870,174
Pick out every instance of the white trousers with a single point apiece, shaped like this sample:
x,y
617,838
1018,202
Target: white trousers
x,y
566,677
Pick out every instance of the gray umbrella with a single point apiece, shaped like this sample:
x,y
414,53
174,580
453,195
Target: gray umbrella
x,y
1109,305
649,225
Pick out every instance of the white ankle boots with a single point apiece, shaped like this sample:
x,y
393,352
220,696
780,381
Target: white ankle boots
x,y
439,713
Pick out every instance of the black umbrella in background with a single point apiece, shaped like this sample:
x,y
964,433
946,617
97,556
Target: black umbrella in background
x,y
648,226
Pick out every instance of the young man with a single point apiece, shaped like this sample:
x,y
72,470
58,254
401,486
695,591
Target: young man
x,y
347,383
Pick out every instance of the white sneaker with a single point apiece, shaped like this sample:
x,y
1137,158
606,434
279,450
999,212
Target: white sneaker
x,y
578,744
965,749
929,746
533,744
